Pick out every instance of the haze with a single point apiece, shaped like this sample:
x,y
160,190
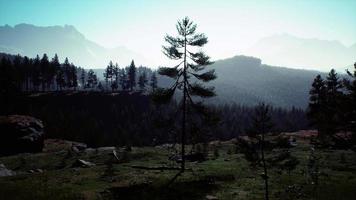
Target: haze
x,y
233,27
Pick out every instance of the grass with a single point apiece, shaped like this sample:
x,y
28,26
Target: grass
x,y
228,176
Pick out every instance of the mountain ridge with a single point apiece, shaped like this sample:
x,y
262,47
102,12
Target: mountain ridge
x,y
30,40
307,53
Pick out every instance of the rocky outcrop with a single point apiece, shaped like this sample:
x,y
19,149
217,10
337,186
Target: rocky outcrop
x,y
20,134
5,172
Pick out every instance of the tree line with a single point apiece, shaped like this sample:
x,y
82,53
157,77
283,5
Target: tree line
x,y
41,74
332,107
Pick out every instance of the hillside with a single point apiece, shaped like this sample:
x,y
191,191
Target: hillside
x,y
245,80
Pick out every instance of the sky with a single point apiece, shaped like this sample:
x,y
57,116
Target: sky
x,y
232,26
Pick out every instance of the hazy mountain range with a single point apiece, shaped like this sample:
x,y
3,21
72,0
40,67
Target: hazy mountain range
x,y
294,52
30,40
241,79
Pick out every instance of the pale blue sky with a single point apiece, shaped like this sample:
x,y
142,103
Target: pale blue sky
x,y
231,26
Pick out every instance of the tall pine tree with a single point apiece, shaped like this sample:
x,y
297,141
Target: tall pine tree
x,y
153,81
317,104
350,103
190,64
132,76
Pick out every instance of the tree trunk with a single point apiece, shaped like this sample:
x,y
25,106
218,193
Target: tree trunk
x,y
264,167
184,104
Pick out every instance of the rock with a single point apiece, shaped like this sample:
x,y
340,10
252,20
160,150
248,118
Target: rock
x,y
6,172
105,149
211,197
20,134
89,150
83,163
78,147
39,170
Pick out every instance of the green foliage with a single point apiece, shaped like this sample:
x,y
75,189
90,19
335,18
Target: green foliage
x,y
332,106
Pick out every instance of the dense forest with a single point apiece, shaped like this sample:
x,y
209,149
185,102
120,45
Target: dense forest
x,y
332,105
75,105
23,74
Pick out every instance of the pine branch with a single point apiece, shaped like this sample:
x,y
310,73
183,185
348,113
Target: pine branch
x,y
174,41
206,77
198,40
172,52
171,72
200,58
197,89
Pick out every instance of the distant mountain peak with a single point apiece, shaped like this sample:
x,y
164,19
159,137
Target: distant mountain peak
x,y
307,53
66,41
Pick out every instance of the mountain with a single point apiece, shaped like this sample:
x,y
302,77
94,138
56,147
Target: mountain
x,y
291,51
30,40
246,80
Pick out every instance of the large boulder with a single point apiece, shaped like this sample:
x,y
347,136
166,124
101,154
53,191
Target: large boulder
x,y
20,134
6,172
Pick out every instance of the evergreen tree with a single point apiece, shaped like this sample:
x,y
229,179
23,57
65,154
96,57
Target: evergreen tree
x,y
53,70
153,81
333,100
17,72
115,76
92,79
108,74
261,125
27,72
350,104
142,80
74,77
60,78
44,72
67,73
36,76
82,77
317,104
123,79
132,76
7,78
191,63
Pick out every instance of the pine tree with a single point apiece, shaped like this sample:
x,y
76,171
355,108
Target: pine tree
x,y
350,104
82,77
67,73
153,81
27,72
7,79
60,78
115,77
123,79
108,74
191,64
92,79
53,69
44,76
36,76
317,104
142,81
73,77
262,123
333,99
18,72
132,76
